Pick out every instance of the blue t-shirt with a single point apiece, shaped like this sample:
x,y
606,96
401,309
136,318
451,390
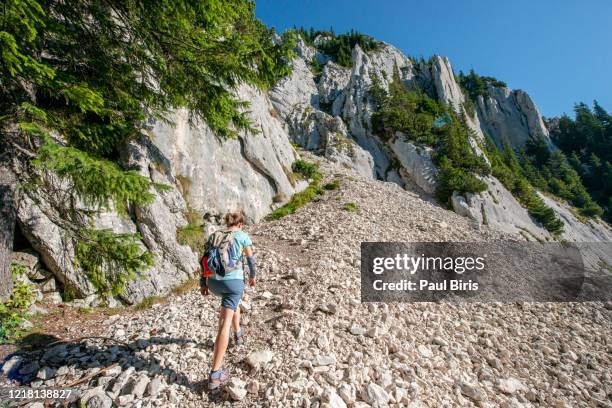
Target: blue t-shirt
x,y
241,241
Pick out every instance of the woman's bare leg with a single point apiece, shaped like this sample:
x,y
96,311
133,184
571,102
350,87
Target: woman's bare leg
x,y
222,338
236,320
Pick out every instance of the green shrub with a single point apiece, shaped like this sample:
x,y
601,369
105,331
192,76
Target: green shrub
x,y
451,179
192,235
14,311
306,170
298,200
424,120
475,84
333,185
351,207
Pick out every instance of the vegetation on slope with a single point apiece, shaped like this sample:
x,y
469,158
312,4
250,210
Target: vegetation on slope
x,y
507,168
427,121
305,171
14,311
339,47
424,120
475,84
586,143
92,72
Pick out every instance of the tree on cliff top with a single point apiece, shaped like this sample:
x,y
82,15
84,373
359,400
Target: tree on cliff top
x,y
77,77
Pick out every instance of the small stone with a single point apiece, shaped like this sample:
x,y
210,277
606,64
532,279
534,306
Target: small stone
x,y
323,342
347,393
237,389
320,361
125,399
253,387
473,392
95,398
267,295
37,310
333,399
510,385
46,373
329,308
119,333
11,364
153,387
259,358
357,330
425,351
439,341
54,297
376,395
48,286
137,386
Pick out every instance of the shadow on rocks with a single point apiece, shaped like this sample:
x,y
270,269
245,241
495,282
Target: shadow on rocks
x,y
44,360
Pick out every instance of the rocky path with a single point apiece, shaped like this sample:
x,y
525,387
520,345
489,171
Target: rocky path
x,y
311,343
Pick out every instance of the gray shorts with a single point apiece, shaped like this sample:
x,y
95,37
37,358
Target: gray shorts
x,y
230,291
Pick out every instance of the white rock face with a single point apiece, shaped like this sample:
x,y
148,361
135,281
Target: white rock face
x,y
510,114
327,135
356,108
245,173
209,175
332,83
416,160
297,98
498,209
299,88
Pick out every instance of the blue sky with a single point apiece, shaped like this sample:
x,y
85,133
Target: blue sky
x,y
559,51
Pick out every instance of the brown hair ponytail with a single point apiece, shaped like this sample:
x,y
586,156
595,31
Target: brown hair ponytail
x,y
234,218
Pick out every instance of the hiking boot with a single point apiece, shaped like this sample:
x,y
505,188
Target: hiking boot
x,y
239,338
217,378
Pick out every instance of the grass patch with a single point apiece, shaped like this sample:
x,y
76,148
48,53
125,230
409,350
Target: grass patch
x,y
148,302
85,310
333,185
193,233
186,286
351,207
304,170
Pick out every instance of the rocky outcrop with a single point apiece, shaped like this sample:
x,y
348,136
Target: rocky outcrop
x,y
416,161
356,108
248,173
498,209
505,113
327,135
251,172
299,101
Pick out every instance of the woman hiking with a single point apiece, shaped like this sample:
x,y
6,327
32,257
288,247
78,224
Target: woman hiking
x,y
230,287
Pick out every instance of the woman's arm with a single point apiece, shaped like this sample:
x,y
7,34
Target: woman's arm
x,y
248,251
